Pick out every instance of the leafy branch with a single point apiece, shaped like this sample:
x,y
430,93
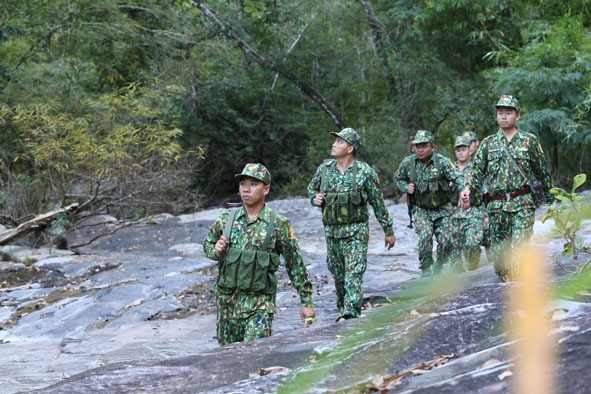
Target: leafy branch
x,y
568,211
266,63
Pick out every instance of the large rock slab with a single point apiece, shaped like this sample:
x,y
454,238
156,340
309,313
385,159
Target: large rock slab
x,y
133,312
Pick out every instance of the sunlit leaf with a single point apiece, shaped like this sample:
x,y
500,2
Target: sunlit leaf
x,y
578,180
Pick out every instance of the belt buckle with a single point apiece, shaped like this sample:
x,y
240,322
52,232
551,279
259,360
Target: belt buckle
x,y
507,196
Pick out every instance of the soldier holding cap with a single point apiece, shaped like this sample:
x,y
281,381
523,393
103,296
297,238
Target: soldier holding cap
x,y
247,242
510,161
342,187
429,178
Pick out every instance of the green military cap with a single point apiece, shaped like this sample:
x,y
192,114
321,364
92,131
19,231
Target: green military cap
x,y
470,136
423,136
461,140
507,100
256,171
350,136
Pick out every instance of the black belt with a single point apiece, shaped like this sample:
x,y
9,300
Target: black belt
x,y
511,195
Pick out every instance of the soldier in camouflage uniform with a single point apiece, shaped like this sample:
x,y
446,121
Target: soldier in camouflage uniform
x,y
247,242
467,223
342,187
474,144
429,178
509,161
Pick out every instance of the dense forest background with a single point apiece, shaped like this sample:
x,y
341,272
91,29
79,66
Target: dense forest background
x,y
138,107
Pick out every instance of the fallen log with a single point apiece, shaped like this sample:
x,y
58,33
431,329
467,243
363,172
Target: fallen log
x,y
37,223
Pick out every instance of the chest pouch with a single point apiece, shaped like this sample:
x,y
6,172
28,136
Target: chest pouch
x,y
345,208
264,279
229,269
433,194
251,270
246,270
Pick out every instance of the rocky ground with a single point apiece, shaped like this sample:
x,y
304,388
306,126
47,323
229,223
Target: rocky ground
x,y
133,313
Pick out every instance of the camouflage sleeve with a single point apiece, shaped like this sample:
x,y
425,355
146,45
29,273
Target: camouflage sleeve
x,y
287,246
314,185
401,176
540,169
477,172
452,173
477,183
215,232
375,197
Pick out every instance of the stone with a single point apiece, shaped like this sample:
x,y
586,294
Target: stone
x,y
134,313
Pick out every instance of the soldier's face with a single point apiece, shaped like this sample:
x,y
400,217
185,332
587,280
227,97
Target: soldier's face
x,y
252,191
473,147
340,148
507,117
462,153
424,151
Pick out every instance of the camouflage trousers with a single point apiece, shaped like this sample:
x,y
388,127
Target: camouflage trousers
x,y
346,259
243,317
508,231
427,228
468,234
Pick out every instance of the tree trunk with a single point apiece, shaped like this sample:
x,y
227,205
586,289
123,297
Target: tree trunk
x,y
266,63
38,223
378,32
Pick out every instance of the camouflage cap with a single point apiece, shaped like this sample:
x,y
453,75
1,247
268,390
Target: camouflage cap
x,y
256,171
462,140
423,136
350,136
508,101
470,136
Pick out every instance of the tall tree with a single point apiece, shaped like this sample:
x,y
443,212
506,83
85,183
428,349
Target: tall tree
x,y
264,61
551,74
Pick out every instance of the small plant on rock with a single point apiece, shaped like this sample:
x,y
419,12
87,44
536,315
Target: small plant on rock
x,y
568,211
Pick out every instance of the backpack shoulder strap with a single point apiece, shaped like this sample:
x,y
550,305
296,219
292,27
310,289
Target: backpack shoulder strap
x,y
436,161
270,228
228,228
439,164
412,172
324,180
354,180
512,159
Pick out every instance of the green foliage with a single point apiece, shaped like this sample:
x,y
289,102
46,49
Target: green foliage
x,y
60,227
568,211
117,148
106,91
551,75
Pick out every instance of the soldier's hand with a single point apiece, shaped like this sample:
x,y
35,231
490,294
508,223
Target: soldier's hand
x,y
390,241
411,188
464,201
308,315
220,246
319,199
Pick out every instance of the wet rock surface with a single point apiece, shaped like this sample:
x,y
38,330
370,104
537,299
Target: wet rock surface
x,y
133,313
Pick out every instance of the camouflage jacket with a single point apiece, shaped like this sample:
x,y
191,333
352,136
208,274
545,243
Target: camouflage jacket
x,y
502,175
411,164
250,235
367,183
